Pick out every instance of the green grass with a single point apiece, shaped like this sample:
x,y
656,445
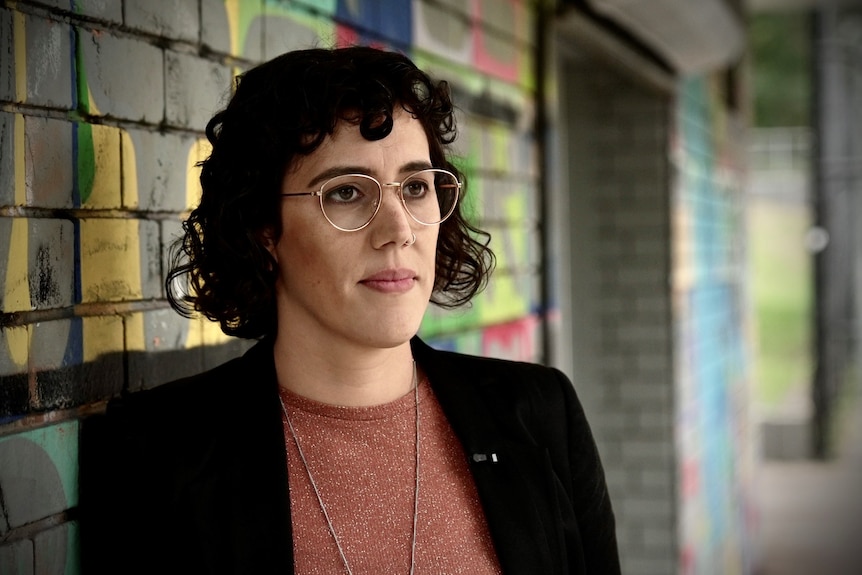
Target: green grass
x,y
782,291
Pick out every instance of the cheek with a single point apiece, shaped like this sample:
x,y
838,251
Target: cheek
x,y
291,254
431,258
310,258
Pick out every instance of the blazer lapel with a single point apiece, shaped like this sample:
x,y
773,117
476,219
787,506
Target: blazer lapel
x,y
248,487
506,469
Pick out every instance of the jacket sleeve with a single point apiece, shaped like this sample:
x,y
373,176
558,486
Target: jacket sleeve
x,y
130,519
589,492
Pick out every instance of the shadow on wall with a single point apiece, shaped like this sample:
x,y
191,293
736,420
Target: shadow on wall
x,y
40,469
107,376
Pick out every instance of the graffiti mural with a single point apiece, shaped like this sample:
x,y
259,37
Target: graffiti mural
x,y
111,173
716,458
38,481
99,136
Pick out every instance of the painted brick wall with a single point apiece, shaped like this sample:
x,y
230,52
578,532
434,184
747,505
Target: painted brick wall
x,y
102,107
717,518
659,312
622,350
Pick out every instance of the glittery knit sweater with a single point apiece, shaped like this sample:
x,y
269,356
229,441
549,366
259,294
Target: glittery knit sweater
x,y
363,462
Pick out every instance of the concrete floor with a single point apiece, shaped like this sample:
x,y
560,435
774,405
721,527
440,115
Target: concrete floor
x,y
811,511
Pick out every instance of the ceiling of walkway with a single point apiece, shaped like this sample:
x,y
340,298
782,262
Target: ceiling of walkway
x,y
786,5
691,36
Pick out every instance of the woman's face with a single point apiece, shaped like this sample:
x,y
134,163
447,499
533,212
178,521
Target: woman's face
x,y
369,287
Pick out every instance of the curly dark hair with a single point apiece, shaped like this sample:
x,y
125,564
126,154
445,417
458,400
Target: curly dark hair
x,y
282,109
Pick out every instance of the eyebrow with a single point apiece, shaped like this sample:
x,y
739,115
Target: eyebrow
x,y
336,171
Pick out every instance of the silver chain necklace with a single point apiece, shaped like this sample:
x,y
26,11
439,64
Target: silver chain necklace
x,y
320,499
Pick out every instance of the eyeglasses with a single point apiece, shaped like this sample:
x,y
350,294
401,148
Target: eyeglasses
x,y
349,202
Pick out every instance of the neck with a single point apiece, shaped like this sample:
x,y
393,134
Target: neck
x,y
343,374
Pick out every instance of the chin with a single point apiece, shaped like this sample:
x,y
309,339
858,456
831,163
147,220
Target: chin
x,y
381,337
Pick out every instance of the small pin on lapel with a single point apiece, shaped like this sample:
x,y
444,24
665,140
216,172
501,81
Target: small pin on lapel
x,y
482,457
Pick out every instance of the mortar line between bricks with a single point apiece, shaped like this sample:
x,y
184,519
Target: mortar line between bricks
x,y
5,515
64,114
31,421
87,214
94,24
91,309
28,530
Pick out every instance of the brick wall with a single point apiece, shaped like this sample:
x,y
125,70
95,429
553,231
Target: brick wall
x,y
102,106
619,193
650,226
712,343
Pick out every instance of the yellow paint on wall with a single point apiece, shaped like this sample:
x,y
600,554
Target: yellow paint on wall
x,y
16,291
102,335
500,153
199,151
134,325
516,210
212,333
130,171
19,143
205,332
110,260
91,103
502,301
232,8
18,344
19,33
195,337
106,178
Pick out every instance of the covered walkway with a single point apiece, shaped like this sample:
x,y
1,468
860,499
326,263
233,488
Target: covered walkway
x,y
811,511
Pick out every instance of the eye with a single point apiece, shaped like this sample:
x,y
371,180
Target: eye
x,y
415,189
343,194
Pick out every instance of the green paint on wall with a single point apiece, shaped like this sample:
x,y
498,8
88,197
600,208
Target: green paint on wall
x,y
469,342
439,322
60,442
85,170
73,545
323,7
472,188
81,85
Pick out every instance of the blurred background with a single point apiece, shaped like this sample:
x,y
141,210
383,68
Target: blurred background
x,y
804,164
672,188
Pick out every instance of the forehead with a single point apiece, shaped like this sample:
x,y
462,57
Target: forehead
x,y
407,142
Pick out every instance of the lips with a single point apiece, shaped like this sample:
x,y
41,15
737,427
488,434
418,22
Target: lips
x,y
390,281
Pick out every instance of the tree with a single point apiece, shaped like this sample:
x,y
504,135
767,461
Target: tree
x,y
782,70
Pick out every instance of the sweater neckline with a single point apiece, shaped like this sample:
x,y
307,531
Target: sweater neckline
x,y
357,413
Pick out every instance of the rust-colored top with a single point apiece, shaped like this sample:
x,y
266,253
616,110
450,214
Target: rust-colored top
x,y
363,461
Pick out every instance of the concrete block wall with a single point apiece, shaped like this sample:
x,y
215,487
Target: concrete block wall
x,y
622,338
652,190
660,319
102,108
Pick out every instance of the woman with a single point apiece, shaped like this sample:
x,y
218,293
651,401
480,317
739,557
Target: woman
x,y
341,443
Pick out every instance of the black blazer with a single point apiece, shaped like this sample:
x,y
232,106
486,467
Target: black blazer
x,y
190,477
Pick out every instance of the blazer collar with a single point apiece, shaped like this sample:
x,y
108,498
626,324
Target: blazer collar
x,y
506,468
252,468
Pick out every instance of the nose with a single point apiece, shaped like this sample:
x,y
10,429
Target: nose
x,y
392,224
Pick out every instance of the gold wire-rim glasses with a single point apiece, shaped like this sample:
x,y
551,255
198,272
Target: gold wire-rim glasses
x,y
356,182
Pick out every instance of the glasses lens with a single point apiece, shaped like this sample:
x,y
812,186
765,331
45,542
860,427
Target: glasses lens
x,y
430,195
349,202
